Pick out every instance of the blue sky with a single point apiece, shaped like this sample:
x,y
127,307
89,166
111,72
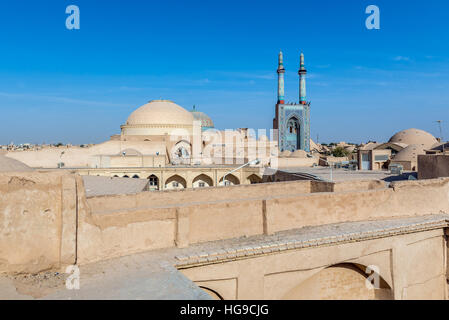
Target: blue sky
x,y
79,86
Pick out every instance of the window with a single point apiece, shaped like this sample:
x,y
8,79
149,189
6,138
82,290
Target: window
x,y
201,184
381,157
153,181
175,184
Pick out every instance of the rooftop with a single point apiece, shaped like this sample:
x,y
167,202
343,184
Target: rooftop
x,y
154,274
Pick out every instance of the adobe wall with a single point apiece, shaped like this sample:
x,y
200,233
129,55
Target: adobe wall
x,y
46,220
330,272
182,197
186,196
343,186
408,198
37,221
433,166
292,162
122,231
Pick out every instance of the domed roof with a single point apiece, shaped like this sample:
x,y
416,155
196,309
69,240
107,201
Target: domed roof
x,y
160,112
410,153
414,136
204,118
11,165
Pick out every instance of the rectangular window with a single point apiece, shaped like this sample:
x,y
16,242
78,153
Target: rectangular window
x,y
383,157
201,184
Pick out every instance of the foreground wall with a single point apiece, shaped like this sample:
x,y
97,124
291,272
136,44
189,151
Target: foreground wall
x,y
46,221
334,272
37,221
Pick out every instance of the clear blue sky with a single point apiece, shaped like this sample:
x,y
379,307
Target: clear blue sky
x,y
79,86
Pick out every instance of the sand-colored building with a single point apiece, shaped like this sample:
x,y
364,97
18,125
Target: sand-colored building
x,y
403,149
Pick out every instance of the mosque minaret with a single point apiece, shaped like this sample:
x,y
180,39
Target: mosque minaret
x,y
292,120
302,80
281,72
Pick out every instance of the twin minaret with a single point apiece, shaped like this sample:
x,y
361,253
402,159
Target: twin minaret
x,y
302,79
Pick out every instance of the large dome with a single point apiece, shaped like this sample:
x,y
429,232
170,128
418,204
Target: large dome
x,y
414,136
160,112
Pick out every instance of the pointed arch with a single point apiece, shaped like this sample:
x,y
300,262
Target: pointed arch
x,y
339,282
231,180
175,182
214,294
181,152
202,181
254,178
293,133
153,182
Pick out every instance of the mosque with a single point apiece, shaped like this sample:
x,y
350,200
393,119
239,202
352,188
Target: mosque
x,y
163,134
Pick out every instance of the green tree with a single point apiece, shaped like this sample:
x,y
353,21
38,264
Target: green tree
x,y
340,152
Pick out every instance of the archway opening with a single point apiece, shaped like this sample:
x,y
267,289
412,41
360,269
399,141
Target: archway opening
x,y
175,182
254,178
181,152
214,294
293,134
341,282
230,180
202,181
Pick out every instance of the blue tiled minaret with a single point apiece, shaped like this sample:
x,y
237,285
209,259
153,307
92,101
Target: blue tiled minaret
x,y
281,72
292,120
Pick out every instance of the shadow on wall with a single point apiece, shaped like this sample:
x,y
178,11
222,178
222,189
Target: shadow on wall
x,y
340,282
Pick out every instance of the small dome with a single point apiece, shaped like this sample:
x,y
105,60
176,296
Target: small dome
x,y
12,165
160,112
410,153
414,136
204,118
299,154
